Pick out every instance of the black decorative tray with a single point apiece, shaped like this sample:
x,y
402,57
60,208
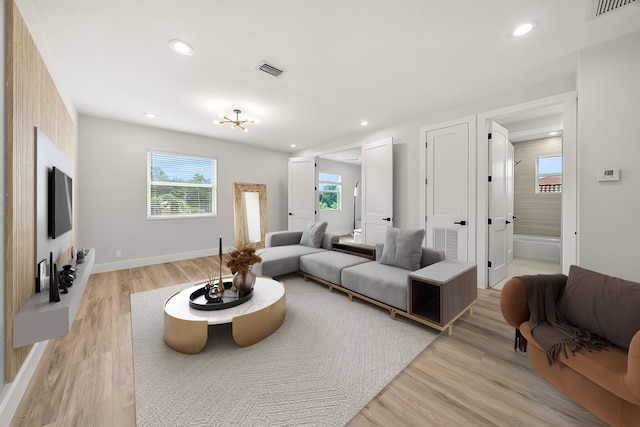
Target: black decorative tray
x,y
229,298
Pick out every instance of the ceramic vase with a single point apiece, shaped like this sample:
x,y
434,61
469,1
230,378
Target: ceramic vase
x,y
244,281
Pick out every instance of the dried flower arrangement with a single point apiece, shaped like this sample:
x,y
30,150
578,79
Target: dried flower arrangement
x,y
242,258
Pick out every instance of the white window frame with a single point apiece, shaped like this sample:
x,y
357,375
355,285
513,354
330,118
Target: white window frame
x,y
337,183
213,186
543,175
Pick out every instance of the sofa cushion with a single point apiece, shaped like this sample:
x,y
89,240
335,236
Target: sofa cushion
x,y
313,233
429,256
403,248
280,260
328,265
383,283
603,305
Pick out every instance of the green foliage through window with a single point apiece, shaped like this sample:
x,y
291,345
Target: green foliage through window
x,y
180,186
330,192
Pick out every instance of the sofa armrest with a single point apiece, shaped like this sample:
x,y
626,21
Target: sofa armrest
x,y
632,379
513,303
329,239
431,256
282,238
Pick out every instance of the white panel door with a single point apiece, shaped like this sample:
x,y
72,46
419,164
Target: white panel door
x,y
497,203
510,201
377,172
447,190
303,199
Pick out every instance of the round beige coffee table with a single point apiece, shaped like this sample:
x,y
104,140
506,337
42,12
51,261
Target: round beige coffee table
x,y
185,328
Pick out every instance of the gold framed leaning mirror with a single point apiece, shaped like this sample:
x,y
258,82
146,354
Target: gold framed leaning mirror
x,y
250,213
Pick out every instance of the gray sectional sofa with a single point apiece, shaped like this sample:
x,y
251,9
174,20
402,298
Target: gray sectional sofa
x,y
382,284
283,251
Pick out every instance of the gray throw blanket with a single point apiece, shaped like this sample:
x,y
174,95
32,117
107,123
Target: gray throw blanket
x,y
548,327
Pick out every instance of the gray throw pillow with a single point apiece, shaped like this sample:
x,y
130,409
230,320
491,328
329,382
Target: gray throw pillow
x,y
603,305
403,248
313,234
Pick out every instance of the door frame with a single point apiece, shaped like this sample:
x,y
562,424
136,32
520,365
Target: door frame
x,y
470,121
569,197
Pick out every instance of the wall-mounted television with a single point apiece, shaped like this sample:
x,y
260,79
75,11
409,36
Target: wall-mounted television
x,y
60,191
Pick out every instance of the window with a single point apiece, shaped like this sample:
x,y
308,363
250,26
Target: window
x,y
330,193
549,174
180,186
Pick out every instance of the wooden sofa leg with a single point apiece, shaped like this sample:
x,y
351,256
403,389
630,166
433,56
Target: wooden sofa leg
x,y
392,313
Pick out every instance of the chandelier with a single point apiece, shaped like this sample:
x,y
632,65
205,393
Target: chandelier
x,y
237,123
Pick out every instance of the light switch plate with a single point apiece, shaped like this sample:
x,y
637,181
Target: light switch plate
x,y
607,174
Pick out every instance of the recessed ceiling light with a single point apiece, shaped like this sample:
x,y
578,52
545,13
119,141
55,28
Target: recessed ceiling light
x,y
554,133
150,115
181,47
364,123
293,145
523,29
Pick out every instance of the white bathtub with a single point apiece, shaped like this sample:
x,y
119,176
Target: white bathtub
x,y
537,247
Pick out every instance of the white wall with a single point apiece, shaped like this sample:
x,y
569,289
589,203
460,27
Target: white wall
x,y
111,184
609,137
406,145
342,220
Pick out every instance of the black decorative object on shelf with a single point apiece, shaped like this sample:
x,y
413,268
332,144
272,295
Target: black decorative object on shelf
x,y
66,276
228,299
62,283
54,294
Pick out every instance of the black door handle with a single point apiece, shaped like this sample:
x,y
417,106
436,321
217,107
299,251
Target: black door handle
x,y
290,214
460,222
386,219
508,222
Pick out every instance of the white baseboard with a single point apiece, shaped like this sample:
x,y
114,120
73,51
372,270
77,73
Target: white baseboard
x,y
13,392
141,262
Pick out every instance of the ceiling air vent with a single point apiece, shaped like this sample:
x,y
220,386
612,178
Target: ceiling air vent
x,y
600,7
270,69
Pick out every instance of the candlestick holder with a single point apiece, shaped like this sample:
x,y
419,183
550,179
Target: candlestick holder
x,y
220,284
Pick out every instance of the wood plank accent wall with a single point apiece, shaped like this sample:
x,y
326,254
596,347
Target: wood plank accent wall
x,y
32,101
536,214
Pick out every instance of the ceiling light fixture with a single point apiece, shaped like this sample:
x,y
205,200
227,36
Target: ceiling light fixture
x,y
522,29
150,115
237,123
181,47
364,123
554,133
293,145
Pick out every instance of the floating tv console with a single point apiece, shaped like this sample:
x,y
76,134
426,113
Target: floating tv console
x,y
41,320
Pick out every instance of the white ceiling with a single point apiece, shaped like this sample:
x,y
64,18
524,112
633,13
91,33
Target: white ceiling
x,y
346,60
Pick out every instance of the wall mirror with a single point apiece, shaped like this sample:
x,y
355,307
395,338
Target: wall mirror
x,y
250,213
339,192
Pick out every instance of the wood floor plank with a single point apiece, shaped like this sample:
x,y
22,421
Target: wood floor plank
x,y
472,377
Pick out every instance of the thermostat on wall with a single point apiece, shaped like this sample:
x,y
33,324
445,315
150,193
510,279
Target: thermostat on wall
x,y
608,174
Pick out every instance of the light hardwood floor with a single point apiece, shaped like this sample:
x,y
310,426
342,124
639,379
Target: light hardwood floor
x,y
470,378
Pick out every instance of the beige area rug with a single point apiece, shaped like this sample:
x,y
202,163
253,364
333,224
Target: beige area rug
x,y
329,358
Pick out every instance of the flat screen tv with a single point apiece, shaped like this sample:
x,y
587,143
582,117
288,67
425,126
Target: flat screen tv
x,y
60,190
